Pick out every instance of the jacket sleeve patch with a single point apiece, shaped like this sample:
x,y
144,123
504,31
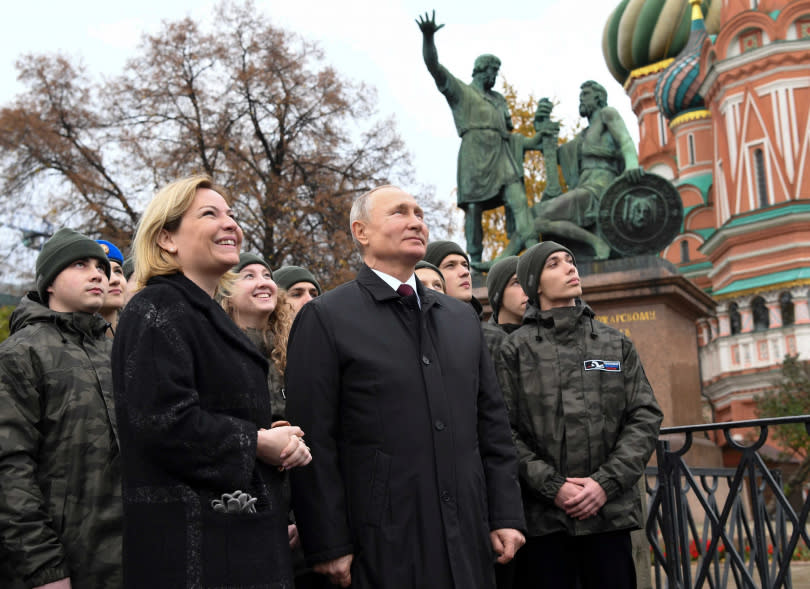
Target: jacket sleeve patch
x,y
605,365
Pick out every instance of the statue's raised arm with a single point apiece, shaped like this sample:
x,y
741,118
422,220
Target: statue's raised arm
x,y
489,174
427,24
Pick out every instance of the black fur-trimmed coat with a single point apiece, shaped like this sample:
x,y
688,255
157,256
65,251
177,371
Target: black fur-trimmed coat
x,y
191,393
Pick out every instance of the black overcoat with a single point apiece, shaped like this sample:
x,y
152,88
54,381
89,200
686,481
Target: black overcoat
x,y
413,461
190,395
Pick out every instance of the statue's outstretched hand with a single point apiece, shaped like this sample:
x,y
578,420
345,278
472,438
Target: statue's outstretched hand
x,y
427,24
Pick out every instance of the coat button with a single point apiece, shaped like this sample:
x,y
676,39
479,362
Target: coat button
x,y
439,425
425,360
445,496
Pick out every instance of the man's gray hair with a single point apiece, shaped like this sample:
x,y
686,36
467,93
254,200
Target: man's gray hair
x,y
361,209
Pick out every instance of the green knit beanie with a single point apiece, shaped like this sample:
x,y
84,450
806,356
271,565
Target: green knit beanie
x,y
530,266
59,251
497,279
286,276
247,258
439,250
426,264
128,267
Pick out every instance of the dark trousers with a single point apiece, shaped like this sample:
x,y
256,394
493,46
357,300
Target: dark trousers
x,y
505,575
560,561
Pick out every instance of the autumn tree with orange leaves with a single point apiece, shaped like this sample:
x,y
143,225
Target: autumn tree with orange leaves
x,y
250,104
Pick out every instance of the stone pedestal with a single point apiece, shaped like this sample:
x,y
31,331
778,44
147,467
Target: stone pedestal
x,y
649,300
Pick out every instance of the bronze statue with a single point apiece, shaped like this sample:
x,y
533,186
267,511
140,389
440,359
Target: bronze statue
x,y
601,156
489,173
590,163
611,207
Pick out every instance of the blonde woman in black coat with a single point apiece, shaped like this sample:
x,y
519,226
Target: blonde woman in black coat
x,y
203,502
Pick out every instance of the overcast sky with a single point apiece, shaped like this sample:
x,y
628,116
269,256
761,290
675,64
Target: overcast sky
x,y
547,48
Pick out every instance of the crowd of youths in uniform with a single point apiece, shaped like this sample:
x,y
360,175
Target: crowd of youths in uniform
x,y
144,414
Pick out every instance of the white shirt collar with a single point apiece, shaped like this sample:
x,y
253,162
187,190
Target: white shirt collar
x,y
395,282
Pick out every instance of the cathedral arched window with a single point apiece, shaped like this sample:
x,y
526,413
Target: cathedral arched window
x,y
684,250
761,317
762,181
662,130
735,319
786,305
690,141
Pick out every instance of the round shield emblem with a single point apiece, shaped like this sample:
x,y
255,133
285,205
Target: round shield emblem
x,y
641,218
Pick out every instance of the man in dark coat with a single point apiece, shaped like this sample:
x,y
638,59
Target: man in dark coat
x,y
414,476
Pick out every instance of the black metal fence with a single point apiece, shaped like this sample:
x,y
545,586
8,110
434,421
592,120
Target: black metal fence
x,y
722,527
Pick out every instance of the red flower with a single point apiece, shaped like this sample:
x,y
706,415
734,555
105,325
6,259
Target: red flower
x,y
693,551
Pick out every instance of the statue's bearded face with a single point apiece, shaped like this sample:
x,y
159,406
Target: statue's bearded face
x,y
588,102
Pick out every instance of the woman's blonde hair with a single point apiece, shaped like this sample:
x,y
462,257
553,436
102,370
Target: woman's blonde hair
x,y
165,211
275,333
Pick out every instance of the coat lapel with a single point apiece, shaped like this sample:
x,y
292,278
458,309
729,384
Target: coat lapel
x,y
375,285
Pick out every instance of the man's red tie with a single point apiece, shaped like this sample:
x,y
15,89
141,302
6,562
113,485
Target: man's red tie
x,y
405,290
408,297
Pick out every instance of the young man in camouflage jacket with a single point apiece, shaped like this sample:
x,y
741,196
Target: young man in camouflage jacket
x,y
508,302
60,488
585,421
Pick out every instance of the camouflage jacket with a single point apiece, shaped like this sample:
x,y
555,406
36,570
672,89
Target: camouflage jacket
x,y
495,333
60,490
579,405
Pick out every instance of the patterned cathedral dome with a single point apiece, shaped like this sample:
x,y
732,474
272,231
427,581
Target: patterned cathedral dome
x,y
677,88
639,33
